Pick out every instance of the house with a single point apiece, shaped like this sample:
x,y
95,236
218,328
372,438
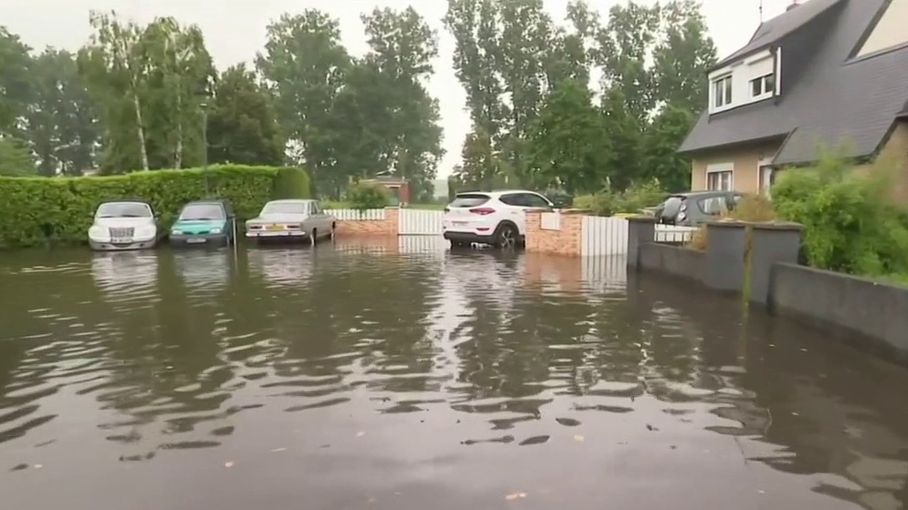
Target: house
x,y
825,74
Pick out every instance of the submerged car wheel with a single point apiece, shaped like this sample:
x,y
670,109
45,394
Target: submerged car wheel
x,y
506,237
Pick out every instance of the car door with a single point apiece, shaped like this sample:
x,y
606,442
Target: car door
x,y
516,205
324,222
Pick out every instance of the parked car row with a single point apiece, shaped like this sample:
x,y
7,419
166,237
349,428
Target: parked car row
x,y
133,224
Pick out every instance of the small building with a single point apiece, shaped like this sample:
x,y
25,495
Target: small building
x,y
398,188
827,74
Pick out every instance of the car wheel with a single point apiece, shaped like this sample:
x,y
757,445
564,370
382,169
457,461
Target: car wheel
x,y
506,237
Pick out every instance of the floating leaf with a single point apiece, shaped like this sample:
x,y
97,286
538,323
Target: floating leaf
x,y
579,438
228,464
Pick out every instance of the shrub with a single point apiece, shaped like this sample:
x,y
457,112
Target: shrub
x,y
849,224
35,210
367,196
632,200
292,183
753,208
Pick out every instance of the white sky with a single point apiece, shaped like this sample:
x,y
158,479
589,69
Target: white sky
x,y
235,31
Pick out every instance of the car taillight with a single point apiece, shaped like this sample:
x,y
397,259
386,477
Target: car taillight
x,y
483,211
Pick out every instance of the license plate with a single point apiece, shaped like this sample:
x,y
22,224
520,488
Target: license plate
x,y
274,227
121,240
196,240
460,223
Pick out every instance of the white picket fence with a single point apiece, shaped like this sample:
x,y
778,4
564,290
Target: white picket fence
x,y
673,234
603,236
357,215
420,222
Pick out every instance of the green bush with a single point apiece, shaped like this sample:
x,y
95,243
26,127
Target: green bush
x,y
608,203
849,224
368,196
292,183
35,210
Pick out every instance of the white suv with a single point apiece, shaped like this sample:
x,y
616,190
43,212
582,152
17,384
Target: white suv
x,y
496,217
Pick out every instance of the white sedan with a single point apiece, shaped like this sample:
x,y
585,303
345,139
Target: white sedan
x,y
291,219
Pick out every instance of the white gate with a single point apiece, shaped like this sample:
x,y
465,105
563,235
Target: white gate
x,y
603,236
674,234
420,222
356,214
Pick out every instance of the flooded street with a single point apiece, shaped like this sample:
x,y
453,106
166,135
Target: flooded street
x,y
398,375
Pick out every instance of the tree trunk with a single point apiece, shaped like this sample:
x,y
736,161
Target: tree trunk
x,y
140,130
178,157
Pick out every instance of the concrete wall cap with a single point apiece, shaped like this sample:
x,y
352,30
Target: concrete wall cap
x,y
782,225
725,224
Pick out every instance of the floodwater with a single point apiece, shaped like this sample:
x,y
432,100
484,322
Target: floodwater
x,y
397,375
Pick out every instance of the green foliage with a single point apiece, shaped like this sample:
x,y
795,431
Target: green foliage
x,y
755,208
849,223
38,210
15,81
660,149
637,197
242,123
569,146
292,183
367,196
15,158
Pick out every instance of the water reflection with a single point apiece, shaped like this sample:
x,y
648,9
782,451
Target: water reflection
x,y
383,367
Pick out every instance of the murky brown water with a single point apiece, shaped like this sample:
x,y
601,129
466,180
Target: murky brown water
x,y
375,376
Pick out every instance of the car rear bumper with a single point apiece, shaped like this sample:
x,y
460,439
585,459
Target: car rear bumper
x,y
286,234
468,237
199,240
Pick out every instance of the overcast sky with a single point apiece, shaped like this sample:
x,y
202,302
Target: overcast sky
x,y
235,31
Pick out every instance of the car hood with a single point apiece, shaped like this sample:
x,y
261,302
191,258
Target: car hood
x,y
279,218
123,222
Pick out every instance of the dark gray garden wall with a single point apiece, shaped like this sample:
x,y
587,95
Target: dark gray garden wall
x,y
673,260
858,305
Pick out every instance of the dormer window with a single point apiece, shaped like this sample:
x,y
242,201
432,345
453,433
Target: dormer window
x,y
763,86
722,91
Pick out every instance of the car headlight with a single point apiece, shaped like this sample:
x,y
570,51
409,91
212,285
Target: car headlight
x,y
148,231
96,231
176,232
216,230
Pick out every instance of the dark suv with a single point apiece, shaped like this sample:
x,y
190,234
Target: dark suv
x,y
696,207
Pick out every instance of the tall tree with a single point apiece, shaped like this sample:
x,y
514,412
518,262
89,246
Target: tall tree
x,y
570,52
15,81
683,57
305,64
402,47
15,158
625,134
474,25
61,125
242,123
115,71
570,149
625,44
179,73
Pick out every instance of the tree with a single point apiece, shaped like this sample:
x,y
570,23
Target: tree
x,y
660,148
569,145
624,132
15,158
683,58
179,73
242,123
305,65
625,44
15,81
115,72
60,125
570,53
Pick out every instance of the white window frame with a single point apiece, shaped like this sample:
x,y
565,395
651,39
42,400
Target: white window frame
x,y
716,95
764,92
720,168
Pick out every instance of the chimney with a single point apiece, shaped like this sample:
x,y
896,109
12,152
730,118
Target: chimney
x,y
794,5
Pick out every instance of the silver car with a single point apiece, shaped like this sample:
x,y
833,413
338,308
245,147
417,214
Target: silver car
x,y
123,225
291,219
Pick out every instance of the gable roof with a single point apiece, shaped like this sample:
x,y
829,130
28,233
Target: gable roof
x,y
775,29
837,102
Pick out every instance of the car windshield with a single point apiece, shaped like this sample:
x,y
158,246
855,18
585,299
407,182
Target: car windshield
x,y
285,208
124,210
469,200
202,212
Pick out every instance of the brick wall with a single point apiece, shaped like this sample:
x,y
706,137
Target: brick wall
x,y
386,227
565,241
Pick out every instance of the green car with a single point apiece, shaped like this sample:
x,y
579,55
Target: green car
x,y
204,223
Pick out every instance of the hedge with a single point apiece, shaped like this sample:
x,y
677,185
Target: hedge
x,y
38,210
